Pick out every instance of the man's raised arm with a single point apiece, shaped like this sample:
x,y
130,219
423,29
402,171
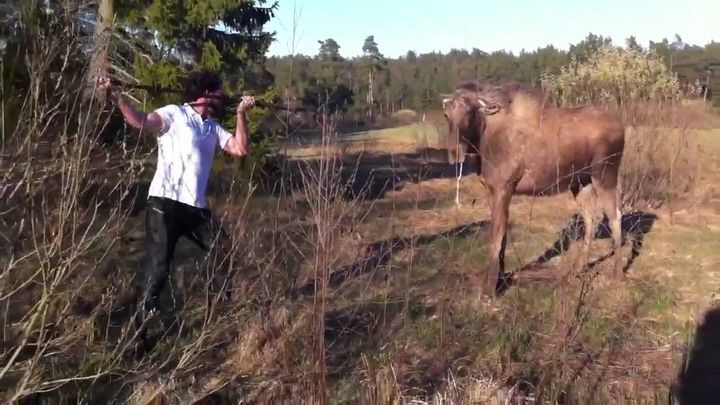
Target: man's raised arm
x,y
151,122
238,144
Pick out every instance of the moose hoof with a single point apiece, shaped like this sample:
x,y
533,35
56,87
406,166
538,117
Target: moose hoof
x,y
484,295
489,291
489,288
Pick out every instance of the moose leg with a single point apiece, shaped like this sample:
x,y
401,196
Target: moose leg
x,y
606,179
587,200
610,207
499,214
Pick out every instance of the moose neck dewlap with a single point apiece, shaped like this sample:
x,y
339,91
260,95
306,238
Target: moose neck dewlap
x,y
470,140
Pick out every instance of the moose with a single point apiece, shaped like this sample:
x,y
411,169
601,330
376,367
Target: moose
x,y
525,145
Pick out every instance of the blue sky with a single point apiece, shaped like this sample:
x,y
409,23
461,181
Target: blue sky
x,y
425,26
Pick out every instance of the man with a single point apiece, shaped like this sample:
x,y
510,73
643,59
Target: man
x,y
188,136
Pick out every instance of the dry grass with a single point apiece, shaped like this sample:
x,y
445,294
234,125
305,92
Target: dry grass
x,y
404,322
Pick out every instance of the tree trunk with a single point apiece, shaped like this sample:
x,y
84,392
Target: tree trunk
x,y
370,98
94,100
707,86
103,34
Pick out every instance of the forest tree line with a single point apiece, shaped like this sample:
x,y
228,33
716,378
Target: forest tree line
x,y
350,85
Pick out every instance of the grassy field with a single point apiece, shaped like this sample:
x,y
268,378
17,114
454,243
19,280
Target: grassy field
x,y
401,139
361,277
584,337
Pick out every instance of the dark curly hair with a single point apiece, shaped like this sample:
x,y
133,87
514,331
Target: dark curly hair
x,y
200,82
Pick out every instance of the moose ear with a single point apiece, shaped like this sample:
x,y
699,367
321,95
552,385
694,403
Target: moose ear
x,y
445,102
487,109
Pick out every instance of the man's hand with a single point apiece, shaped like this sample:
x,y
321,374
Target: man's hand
x,y
104,84
246,102
238,144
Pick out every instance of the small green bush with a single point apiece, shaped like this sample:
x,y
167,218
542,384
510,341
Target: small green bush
x,y
613,76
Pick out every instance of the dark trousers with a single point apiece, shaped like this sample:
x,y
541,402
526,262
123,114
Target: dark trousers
x,y
165,222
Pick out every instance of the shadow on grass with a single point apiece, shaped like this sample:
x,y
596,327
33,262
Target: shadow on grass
x,y
699,377
369,176
363,176
634,225
379,253
361,328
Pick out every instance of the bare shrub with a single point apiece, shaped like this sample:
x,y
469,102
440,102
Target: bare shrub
x,y
66,215
55,244
661,158
334,210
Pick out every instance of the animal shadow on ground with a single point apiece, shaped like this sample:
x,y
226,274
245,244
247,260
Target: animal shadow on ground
x,y
369,176
379,253
361,327
699,376
634,225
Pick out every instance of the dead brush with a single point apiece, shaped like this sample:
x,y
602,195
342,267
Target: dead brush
x,y
65,329
56,246
661,158
65,219
334,212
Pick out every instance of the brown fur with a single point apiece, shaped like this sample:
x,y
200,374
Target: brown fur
x,y
526,145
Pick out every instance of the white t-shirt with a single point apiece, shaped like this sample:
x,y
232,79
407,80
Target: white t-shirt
x,y
186,148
